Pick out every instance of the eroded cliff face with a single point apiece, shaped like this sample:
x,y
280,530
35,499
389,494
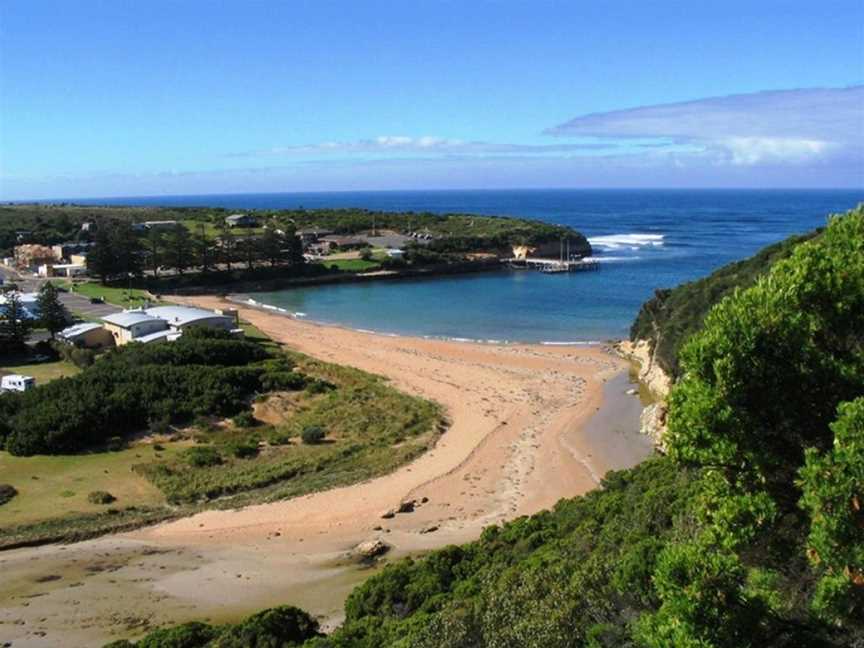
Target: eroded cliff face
x,y
652,422
551,249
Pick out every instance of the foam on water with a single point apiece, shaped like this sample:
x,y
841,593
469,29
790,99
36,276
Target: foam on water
x,y
632,241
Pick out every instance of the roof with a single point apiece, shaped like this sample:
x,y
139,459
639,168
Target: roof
x,y
79,329
18,377
155,337
182,315
128,318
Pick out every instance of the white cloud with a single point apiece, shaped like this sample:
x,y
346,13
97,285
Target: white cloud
x,y
781,126
388,144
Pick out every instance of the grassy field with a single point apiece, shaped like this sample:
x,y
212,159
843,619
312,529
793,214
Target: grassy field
x,y
43,372
114,295
350,265
370,429
58,486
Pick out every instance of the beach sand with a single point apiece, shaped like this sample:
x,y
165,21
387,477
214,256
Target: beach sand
x,y
518,442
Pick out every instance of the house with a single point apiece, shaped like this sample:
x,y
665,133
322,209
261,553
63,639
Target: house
x,y
343,242
62,270
135,326
78,259
179,318
241,220
154,225
395,253
88,226
309,236
88,335
67,250
17,382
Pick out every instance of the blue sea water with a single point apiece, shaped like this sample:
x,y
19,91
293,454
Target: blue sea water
x,y
645,239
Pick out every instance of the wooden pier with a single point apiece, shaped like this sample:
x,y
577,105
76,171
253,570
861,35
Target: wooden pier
x,y
554,266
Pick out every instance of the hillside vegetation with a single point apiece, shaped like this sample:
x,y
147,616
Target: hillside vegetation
x,y
669,318
749,534
207,420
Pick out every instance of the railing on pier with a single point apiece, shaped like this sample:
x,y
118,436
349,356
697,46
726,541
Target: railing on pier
x,y
554,265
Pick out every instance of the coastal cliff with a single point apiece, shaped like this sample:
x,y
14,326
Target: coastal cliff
x,y
652,421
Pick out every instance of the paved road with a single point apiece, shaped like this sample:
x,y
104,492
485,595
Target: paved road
x,y
74,303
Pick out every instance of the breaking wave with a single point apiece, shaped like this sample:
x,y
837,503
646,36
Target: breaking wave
x,y
635,242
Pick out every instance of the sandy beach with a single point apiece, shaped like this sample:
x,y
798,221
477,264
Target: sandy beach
x,y
516,444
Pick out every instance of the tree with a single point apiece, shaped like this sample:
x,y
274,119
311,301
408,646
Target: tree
x,y
15,325
52,314
763,379
205,254
100,259
126,250
179,249
153,249
227,245
833,487
270,245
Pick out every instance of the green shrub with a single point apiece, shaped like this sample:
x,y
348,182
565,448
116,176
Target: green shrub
x,y
201,457
101,497
245,449
245,420
312,434
7,492
116,444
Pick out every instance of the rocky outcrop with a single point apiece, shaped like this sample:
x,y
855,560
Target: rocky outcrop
x,y
552,249
651,374
652,421
371,549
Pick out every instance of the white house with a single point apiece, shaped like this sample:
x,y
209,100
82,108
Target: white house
x,y
133,326
181,317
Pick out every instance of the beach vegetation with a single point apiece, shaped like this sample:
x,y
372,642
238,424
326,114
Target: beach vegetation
x,y
100,497
312,434
7,492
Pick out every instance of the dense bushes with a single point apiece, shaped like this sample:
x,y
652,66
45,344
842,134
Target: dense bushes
x,y
279,627
669,318
7,492
202,373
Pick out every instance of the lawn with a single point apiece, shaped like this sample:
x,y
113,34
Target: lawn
x,y
114,295
43,372
57,486
350,265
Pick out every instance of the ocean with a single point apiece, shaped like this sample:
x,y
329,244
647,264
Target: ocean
x,y
645,239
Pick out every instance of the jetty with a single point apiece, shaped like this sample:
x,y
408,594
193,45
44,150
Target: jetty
x,y
553,266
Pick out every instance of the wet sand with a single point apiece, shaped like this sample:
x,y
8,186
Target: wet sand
x,y
523,434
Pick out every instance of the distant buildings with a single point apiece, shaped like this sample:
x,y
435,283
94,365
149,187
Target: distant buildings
x,y
31,255
241,220
146,226
164,323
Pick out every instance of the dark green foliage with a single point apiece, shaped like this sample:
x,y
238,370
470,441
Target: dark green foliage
x,y
245,419
244,449
201,373
669,318
312,434
188,635
279,627
833,487
762,381
202,456
101,497
7,492
52,314
14,326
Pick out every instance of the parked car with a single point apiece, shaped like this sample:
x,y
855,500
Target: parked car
x,y
97,300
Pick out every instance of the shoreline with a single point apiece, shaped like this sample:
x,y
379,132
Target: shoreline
x,y
246,301
519,441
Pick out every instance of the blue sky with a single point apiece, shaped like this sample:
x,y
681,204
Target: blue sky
x,y
145,98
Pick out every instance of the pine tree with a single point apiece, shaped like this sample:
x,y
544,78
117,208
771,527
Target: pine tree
x,y
15,325
52,314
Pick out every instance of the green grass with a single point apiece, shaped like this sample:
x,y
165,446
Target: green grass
x,y
43,372
371,429
350,265
57,486
114,295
